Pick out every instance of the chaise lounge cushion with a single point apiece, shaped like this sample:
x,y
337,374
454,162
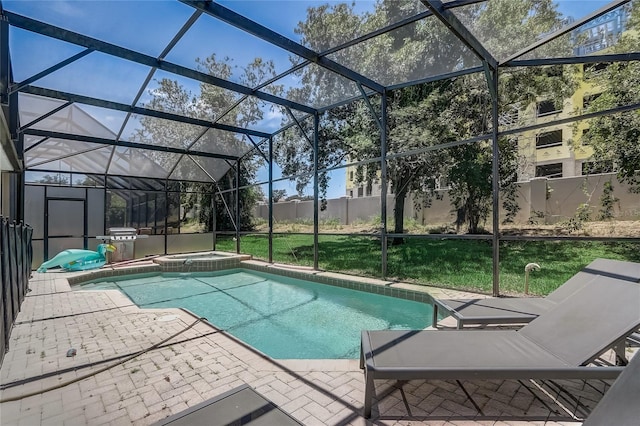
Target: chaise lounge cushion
x,y
558,344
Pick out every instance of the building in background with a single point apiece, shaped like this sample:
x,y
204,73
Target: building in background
x,y
557,150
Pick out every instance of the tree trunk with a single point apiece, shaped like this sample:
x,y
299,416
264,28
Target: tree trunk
x,y
398,216
473,215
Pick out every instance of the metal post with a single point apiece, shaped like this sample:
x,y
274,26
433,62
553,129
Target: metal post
x,y
85,228
214,226
238,206
4,59
19,204
166,214
146,209
270,200
493,87
106,205
383,181
17,144
316,124
18,140
46,224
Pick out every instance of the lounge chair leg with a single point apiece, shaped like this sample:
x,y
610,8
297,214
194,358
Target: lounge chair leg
x,y
621,356
434,321
368,393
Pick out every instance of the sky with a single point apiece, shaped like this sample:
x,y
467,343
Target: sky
x,y
577,8
147,26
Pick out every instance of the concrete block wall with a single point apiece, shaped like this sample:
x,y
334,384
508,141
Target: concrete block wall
x,y
547,201
566,194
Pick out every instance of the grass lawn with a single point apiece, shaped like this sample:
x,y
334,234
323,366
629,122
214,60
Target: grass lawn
x,y
460,264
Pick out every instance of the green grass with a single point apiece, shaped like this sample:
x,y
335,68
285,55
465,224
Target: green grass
x,y
459,264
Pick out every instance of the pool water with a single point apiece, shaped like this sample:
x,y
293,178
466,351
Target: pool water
x,y
283,317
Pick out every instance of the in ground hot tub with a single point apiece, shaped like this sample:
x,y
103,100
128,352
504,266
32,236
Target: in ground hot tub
x,y
198,262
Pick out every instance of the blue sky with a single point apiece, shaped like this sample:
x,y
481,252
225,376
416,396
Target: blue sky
x,y
579,8
120,23
146,27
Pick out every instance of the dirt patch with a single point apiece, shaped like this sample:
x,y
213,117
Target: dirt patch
x,y
628,228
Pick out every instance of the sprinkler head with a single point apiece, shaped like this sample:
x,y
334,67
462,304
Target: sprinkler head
x,y
532,267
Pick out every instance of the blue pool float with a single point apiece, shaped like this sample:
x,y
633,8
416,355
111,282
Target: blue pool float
x,y
78,259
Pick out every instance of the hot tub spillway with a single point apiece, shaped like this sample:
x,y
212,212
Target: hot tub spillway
x,y
187,264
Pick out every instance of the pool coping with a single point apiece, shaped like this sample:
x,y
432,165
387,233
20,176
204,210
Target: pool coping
x,y
173,263
313,391
407,291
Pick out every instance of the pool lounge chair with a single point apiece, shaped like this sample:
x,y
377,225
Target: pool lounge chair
x,y
239,406
521,310
559,344
620,405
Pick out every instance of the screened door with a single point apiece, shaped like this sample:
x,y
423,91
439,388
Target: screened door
x,y
66,225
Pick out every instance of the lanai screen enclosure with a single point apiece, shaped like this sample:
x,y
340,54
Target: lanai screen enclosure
x,y
151,113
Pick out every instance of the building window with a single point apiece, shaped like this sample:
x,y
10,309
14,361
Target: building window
x,y
549,170
547,139
351,176
586,101
360,191
351,194
369,189
547,107
597,167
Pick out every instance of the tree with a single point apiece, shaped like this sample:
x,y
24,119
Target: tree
x,y
212,103
615,138
427,115
279,194
607,201
115,210
54,179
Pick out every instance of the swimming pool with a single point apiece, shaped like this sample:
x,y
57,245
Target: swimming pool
x,y
285,318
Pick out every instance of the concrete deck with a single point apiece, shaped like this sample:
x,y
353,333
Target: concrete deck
x,y
203,362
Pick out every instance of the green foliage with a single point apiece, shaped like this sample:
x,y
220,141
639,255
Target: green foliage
x,y
423,116
57,179
471,188
607,201
536,216
278,194
463,265
582,215
115,210
210,103
583,211
330,223
615,138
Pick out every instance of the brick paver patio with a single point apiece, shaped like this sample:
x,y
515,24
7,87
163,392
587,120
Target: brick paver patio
x,y
202,362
